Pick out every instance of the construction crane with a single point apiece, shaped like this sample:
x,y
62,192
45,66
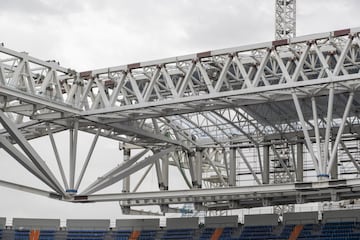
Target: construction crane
x,y
285,19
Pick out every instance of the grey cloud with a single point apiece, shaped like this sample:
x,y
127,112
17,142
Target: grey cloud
x,y
40,7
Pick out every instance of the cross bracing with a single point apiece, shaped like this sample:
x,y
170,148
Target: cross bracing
x,y
285,19
223,119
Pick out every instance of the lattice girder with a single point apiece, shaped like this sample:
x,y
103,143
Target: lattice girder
x,y
196,112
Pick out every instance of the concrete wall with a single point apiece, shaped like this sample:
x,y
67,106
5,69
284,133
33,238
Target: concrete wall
x,y
87,224
137,224
2,223
261,220
226,221
33,223
341,216
182,223
301,218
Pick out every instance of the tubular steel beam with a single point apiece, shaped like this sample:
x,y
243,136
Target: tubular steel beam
x,y
196,104
30,152
247,197
129,170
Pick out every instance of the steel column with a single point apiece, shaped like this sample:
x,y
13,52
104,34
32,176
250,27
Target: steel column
x,y
73,134
126,180
300,162
334,169
329,118
87,160
198,166
306,133
340,132
266,169
30,151
232,167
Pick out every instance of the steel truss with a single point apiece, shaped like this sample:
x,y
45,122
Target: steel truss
x,y
220,118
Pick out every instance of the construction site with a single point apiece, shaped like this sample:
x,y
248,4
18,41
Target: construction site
x,y
271,125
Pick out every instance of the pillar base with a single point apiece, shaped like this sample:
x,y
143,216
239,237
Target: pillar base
x,y
323,177
71,191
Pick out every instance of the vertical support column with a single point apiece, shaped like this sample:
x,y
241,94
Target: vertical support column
x,y
191,157
266,169
73,134
72,162
333,154
159,174
198,173
226,159
165,172
126,180
334,168
232,167
329,118
300,162
163,178
198,166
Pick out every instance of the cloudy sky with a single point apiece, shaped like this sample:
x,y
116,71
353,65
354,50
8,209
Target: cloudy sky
x,y
95,34
92,34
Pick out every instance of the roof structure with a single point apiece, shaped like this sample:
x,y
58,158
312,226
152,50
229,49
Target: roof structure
x,y
266,124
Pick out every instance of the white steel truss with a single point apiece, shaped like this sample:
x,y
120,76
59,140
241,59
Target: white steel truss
x,y
216,117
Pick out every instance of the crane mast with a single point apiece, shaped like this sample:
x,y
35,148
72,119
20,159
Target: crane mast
x,y
285,19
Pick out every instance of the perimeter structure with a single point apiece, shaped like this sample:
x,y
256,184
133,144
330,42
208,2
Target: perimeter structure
x,y
267,124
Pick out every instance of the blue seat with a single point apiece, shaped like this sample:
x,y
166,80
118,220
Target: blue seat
x,y
86,235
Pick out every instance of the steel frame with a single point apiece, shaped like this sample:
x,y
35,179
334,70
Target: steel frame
x,y
207,115
285,19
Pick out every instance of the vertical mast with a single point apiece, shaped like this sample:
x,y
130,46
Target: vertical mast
x,y
285,19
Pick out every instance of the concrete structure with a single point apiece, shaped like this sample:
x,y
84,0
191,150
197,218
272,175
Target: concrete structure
x,y
87,224
261,220
182,223
301,218
137,224
223,221
350,215
36,223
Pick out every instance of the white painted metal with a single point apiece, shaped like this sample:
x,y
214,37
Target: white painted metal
x,y
285,19
58,159
196,110
340,131
87,160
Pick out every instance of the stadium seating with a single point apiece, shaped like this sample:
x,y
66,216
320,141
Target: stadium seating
x,y
331,231
257,232
122,235
47,235
207,233
147,235
128,234
26,234
22,234
179,234
211,233
86,235
337,225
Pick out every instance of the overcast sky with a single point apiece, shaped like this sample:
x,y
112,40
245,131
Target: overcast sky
x,y
92,34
